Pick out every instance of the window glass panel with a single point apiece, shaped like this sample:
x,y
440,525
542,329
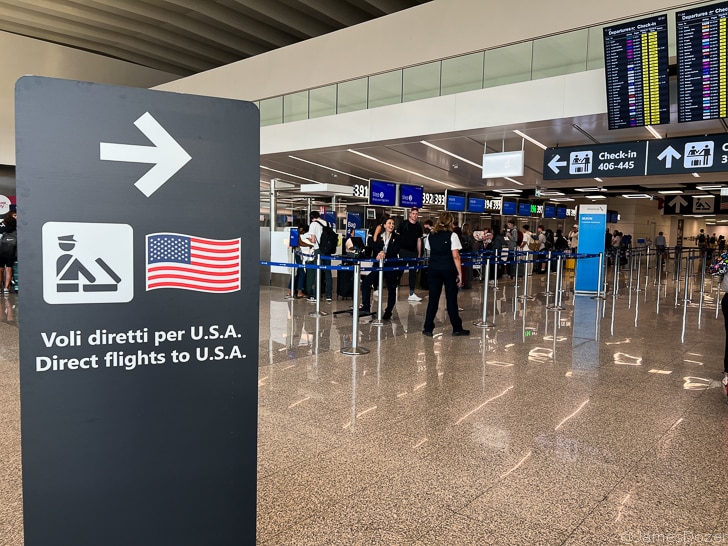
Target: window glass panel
x,y
508,64
352,96
295,107
385,89
560,54
421,82
322,101
271,111
462,73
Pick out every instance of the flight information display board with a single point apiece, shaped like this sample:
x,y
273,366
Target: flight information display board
x,y
701,63
636,63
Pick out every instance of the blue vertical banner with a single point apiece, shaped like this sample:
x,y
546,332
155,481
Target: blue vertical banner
x,y
592,227
353,221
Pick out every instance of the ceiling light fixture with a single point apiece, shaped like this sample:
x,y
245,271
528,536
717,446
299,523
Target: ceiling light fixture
x,y
508,190
696,175
329,168
599,180
514,181
595,196
548,193
586,190
652,131
533,140
289,174
708,187
399,168
636,196
560,199
450,154
670,192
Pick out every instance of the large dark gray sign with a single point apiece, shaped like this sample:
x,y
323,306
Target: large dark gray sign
x,y
702,153
138,346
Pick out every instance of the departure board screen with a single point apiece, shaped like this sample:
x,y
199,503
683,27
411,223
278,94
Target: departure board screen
x,y
701,63
636,62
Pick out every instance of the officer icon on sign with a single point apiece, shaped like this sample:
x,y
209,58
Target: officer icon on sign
x,y
69,270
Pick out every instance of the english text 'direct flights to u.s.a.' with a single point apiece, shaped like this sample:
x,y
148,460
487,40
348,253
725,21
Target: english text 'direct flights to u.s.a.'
x,y
138,343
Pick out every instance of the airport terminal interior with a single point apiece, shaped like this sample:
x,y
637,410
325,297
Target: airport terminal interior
x,y
568,413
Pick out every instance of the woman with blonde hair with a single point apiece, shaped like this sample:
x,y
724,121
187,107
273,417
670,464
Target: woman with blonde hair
x,y
444,270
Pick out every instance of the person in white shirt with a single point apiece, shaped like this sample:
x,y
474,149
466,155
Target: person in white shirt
x,y
313,236
574,238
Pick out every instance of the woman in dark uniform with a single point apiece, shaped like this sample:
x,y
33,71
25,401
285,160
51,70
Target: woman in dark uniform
x,y
386,246
444,270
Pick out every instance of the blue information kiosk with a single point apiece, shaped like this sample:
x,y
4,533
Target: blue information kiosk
x,y
592,228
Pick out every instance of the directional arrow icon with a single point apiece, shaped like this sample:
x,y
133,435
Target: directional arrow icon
x,y
678,202
167,155
668,154
554,164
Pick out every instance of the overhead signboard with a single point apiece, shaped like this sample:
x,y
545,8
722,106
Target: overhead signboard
x,y
410,196
702,63
382,193
690,204
502,164
433,199
138,372
636,63
596,160
704,153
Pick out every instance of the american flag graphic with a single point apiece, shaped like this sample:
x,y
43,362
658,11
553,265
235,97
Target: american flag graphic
x,y
182,261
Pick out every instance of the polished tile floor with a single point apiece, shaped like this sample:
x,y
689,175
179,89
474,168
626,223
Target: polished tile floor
x,y
602,423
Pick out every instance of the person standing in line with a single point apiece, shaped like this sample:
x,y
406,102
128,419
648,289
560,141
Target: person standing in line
x,y
511,237
445,270
541,237
410,246
468,243
724,308
574,239
10,225
313,237
385,247
660,246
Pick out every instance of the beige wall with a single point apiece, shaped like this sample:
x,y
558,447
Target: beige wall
x,y
438,29
20,56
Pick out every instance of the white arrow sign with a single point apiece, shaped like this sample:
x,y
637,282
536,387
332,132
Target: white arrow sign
x,y
554,164
668,154
167,155
678,202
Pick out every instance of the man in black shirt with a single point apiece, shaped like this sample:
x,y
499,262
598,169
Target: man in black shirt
x,y
410,238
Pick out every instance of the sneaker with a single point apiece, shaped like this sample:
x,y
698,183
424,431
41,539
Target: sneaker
x,y
312,299
427,333
461,333
6,291
387,315
328,298
376,293
414,297
364,311
491,283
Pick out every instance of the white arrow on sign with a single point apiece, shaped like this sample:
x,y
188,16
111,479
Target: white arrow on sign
x,y
554,164
668,154
678,202
166,154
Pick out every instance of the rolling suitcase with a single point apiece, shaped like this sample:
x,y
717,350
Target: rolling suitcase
x,y
345,283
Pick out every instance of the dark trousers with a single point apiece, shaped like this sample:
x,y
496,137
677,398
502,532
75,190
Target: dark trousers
x,y
390,278
724,307
438,279
326,274
412,272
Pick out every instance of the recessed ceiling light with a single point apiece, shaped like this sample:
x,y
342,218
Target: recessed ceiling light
x,y
509,190
696,175
329,168
707,187
599,180
450,154
560,199
514,181
670,192
400,168
289,174
530,139
636,196
589,189
652,131
595,196
547,193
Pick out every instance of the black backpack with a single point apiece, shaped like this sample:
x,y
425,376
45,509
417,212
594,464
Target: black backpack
x,y
8,245
329,240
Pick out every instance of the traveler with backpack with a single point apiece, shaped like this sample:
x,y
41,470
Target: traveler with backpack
x,y
319,234
8,248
